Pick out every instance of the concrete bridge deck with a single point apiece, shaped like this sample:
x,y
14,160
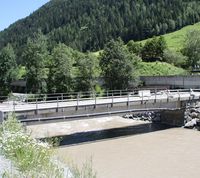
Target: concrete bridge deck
x,y
159,97
117,102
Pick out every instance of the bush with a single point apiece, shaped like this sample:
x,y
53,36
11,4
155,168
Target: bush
x,y
32,158
175,58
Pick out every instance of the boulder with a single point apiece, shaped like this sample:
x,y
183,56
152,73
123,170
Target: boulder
x,y
191,124
194,115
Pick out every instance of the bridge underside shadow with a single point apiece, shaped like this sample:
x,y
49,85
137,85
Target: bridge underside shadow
x,y
94,136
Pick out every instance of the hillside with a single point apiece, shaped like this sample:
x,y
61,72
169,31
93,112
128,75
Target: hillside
x,y
159,69
89,24
175,40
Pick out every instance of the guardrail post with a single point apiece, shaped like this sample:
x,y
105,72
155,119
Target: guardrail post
x,y
155,91
120,92
62,97
179,96
112,100
142,98
57,104
14,106
167,95
36,111
77,104
95,100
128,100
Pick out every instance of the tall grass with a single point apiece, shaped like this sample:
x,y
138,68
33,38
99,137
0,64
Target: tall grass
x,y
32,158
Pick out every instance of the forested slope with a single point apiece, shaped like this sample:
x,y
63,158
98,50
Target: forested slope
x,y
89,24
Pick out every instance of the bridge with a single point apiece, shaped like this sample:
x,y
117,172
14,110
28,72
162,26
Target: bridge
x,y
72,105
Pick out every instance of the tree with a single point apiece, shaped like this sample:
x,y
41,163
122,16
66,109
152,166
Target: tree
x,y
61,69
153,49
134,48
192,48
87,72
8,69
175,58
118,65
36,56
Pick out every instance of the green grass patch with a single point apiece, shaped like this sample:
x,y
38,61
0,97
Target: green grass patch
x,y
159,68
175,40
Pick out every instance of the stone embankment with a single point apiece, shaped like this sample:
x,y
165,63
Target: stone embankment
x,y
150,116
192,117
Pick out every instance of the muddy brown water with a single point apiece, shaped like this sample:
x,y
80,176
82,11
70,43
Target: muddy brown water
x,y
159,153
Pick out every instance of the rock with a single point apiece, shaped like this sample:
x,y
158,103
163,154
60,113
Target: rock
x,y
194,110
194,115
191,124
188,119
198,122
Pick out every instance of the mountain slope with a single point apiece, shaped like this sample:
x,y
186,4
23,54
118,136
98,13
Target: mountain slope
x,y
175,40
89,24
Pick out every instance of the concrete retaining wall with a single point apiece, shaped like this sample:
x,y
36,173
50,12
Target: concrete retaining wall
x,y
187,82
174,118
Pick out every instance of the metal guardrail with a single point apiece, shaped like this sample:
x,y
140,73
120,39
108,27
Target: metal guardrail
x,y
111,96
74,96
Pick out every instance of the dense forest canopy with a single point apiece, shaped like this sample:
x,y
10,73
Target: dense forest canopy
x,y
87,25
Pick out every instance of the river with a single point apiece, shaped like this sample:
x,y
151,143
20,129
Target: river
x,y
147,152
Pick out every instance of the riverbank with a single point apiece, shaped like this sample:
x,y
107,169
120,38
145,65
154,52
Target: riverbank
x,y
171,153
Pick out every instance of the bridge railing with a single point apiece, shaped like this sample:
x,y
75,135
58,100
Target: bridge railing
x,y
87,95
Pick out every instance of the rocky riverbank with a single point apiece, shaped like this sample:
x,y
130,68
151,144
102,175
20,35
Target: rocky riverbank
x,y
150,116
192,118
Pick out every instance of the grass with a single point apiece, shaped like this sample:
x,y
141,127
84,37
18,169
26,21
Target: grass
x,y
159,68
33,158
175,40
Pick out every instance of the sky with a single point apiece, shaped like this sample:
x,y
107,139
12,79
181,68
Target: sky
x,y
13,10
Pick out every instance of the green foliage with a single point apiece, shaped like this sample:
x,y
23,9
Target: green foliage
x,y
60,71
175,58
192,48
36,57
159,68
99,90
118,65
85,172
97,21
153,49
31,157
134,47
8,69
87,66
